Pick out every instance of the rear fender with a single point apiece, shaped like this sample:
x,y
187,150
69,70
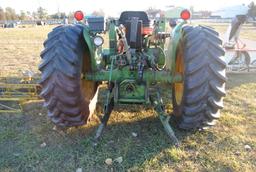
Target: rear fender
x,y
90,47
173,46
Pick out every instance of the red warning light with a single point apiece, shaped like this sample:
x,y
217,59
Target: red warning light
x,y
185,15
79,15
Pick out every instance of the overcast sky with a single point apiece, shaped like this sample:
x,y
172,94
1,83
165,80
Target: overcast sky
x,y
113,7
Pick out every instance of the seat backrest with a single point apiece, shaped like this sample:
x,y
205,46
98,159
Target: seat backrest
x,y
128,15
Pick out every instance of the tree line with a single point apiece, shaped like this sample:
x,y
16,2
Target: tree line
x,y
40,14
10,14
252,10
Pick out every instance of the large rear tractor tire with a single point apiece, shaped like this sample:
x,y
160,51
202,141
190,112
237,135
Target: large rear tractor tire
x,y
69,99
198,100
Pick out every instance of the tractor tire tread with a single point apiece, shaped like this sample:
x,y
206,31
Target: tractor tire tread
x,y
204,80
61,71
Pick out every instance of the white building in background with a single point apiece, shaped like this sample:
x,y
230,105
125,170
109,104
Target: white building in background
x,y
232,11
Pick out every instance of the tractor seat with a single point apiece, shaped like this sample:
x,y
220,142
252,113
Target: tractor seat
x,y
128,15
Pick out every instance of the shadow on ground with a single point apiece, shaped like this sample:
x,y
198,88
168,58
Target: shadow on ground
x,y
29,141
237,79
23,149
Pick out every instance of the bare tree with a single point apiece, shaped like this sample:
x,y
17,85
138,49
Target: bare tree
x,y
42,13
2,14
71,15
10,14
252,10
59,15
34,15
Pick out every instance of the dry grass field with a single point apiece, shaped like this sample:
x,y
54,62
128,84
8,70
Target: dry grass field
x,y
248,31
29,142
20,49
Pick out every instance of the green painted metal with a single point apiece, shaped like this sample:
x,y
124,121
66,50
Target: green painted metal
x,y
109,80
124,73
162,24
160,58
159,28
108,107
165,120
128,91
134,100
173,13
90,46
176,38
112,39
157,102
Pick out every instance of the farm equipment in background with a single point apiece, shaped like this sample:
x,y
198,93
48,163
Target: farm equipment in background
x,y
238,56
15,91
133,60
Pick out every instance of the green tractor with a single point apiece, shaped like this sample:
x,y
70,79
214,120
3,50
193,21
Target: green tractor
x,y
131,57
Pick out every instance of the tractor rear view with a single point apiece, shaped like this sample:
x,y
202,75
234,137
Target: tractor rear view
x,y
76,61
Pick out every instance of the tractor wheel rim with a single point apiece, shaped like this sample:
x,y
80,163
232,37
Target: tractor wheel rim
x,y
88,88
179,68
